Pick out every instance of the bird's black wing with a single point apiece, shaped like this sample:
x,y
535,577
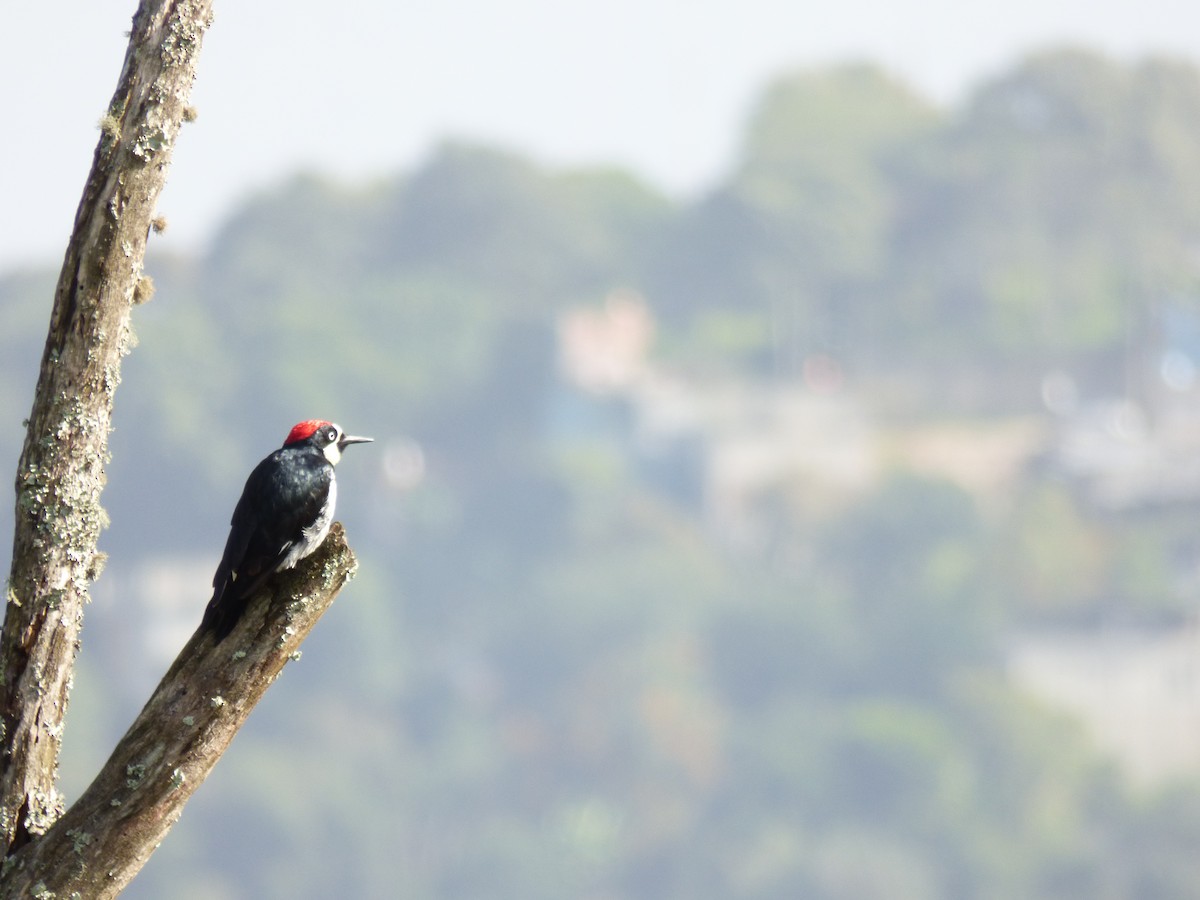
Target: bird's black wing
x,y
229,597
262,530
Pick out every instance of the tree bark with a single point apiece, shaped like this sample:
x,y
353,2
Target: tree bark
x,y
61,469
95,848
107,835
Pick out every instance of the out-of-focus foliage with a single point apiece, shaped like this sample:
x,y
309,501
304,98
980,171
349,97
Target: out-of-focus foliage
x,y
552,677
1056,209
803,226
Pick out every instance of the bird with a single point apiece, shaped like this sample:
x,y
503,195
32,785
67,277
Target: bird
x,y
284,514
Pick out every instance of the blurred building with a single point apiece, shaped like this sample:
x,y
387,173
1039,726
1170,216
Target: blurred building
x,y
720,446
1135,690
606,350
742,452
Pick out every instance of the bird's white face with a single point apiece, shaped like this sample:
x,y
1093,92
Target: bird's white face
x,y
333,450
332,441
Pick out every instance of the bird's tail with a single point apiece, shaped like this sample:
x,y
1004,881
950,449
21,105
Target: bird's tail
x,y
222,614
228,603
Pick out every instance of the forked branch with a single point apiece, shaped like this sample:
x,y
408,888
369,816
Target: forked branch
x,y
107,835
61,471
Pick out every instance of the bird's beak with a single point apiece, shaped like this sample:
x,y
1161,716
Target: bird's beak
x,y
348,439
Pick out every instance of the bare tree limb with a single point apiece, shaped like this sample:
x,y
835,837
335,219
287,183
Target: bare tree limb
x,y
61,470
107,835
97,846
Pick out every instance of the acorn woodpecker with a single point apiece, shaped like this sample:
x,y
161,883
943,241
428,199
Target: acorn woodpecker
x,y
284,514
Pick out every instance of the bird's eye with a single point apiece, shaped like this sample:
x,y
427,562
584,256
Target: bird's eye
x,y
332,434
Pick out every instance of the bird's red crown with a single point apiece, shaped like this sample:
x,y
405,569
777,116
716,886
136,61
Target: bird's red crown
x,y
304,430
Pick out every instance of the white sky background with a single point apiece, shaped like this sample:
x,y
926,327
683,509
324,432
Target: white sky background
x,y
362,88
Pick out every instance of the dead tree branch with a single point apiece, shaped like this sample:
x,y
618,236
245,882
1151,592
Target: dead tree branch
x,y
61,470
107,835
95,848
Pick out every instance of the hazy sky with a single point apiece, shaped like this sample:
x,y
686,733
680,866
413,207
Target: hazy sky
x,y
366,87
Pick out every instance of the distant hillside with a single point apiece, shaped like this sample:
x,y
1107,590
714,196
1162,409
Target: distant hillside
x,y
722,617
